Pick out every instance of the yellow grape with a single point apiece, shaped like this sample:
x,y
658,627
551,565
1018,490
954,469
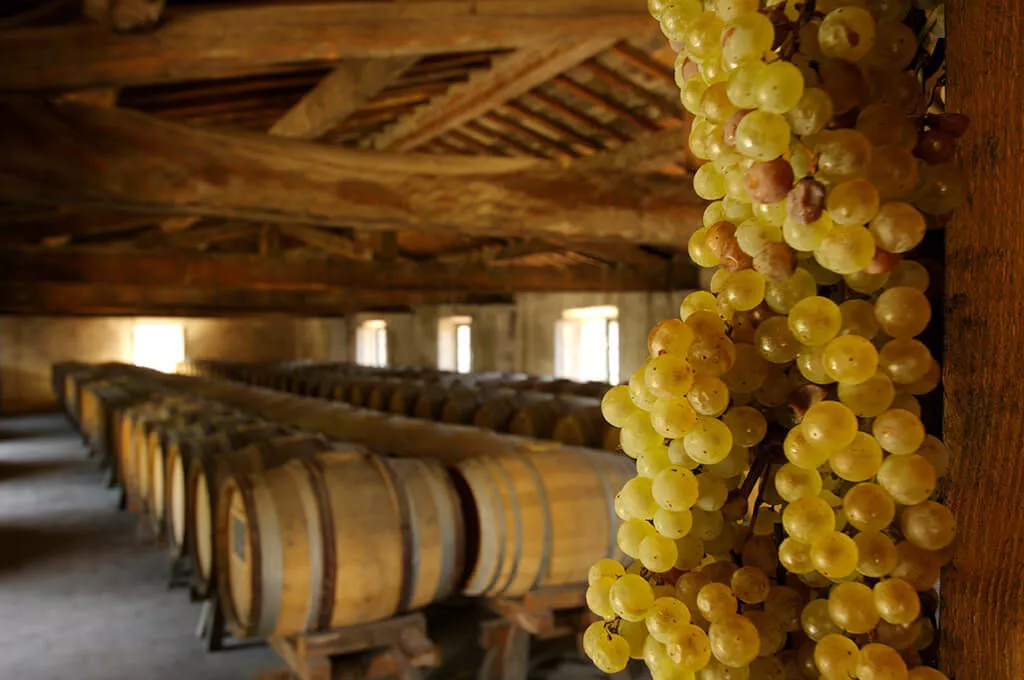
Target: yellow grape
x,y
638,436
606,568
734,640
750,585
858,318
850,359
903,312
781,296
748,371
795,556
598,597
794,482
830,425
666,619
702,37
806,237
898,227
865,282
652,461
811,364
898,431
835,657
869,507
747,425
816,621
878,662
639,393
762,135
673,524
896,601
847,33
672,418
698,248
846,249
715,601
808,519
853,202
609,651
876,554
690,651
671,336
803,452
708,396
658,553
675,488
668,376
909,273
815,320
870,398
775,341
632,597
859,461
929,525
905,361
936,453
746,38
851,606
835,555
710,441
697,301
712,355
617,406
909,479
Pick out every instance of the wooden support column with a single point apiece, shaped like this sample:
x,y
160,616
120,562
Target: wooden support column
x,y
983,593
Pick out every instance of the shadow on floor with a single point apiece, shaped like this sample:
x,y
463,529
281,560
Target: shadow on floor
x,y
16,469
20,546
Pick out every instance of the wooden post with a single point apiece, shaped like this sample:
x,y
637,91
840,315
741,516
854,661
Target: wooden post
x,y
983,593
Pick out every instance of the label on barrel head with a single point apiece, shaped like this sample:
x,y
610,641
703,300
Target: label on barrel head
x,y
238,537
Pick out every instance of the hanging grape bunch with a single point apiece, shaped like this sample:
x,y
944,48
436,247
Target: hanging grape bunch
x,y
783,522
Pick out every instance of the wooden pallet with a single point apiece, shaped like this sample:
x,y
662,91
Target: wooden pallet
x,y
394,648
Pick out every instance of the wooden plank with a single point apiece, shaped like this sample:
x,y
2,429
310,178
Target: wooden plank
x,y
328,242
338,95
185,300
586,94
362,637
76,154
196,43
506,140
561,150
200,237
584,144
509,77
982,606
561,107
672,110
643,62
124,15
648,153
76,225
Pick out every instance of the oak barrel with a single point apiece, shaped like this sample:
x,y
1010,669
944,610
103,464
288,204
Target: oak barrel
x,y
337,540
538,419
583,426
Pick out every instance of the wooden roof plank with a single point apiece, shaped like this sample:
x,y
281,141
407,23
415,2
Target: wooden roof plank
x,y
586,94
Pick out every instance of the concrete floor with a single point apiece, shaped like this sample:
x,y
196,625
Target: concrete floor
x,y
80,597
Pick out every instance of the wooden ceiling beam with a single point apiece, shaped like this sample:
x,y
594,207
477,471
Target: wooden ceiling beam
x,y
510,76
324,240
649,153
122,160
556,146
196,43
338,95
107,299
216,270
584,93
584,144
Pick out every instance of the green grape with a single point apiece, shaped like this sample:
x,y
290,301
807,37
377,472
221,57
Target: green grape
x,y
795,556
692,93
830,425
814,320
730,10
885,124
903,312
606,568
822,276
635,633
852,607
707,526
775,389
929,525
928,382
898,637
617,406
876,554
637,498
865,282
835,555
785,604
869,398
736,463
675,488
905,361
697,301
716,670
850,359
898,227
935,452
691,552
762,135
734,640
754,236
811,365
708,442
918,567
708,396
658,553
666,619
658,661
803,452
859,461
942,188
702,39
705,324
835,657
779,88
907,402
776,342
853,202
598,597
897,601
690,650
632,597
671,336
925,673
709,183
858,318
714,213
888,10
737,211
911,274
747,38
750,585
847,33
748,372
869,507
688,585
715,104
816,622
715,601
766,667
712,493
747,425
898,431
712,71
792,482
894,172
781,296
638,392
638,436
684,10
669,376
744,290
773,214
808,519
652,461
672,418
806,237
743,83
842,154
610,653
846,249
812,112
673,524
878,662
678,456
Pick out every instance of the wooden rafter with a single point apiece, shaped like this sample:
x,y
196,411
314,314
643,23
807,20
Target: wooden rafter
x,y
219,42
328,242
509,77
586,94
182,170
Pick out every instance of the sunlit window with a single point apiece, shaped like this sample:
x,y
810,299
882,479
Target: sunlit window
x,y
159,346
372,343
455,344
587,344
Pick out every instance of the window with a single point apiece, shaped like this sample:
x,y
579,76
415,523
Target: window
x,y
454,344
587,344
372,343
160,346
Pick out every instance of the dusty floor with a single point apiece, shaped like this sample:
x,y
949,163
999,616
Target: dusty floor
x,y
80,597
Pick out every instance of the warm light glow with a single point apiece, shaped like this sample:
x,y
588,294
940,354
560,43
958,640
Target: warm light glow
x,y
454,344
587,344
372,343
160,346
